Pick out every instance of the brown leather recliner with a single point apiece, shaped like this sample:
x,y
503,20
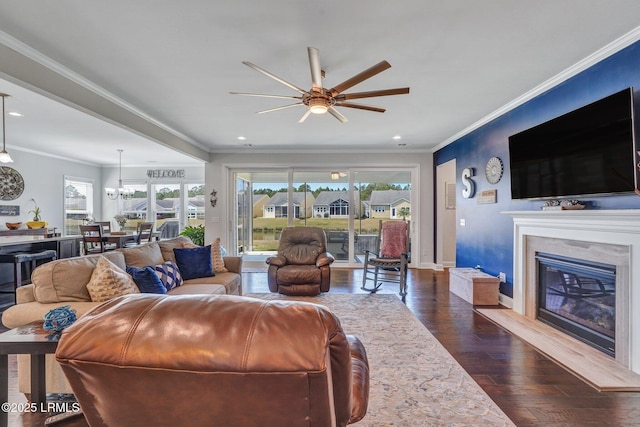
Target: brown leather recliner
x,y
214,360
303,265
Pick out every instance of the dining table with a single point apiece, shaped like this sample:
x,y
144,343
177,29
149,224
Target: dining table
x,y
120,240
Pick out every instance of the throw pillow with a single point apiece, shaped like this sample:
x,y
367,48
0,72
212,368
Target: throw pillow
x,y
109,281
169,274
147,280
216,257
194,262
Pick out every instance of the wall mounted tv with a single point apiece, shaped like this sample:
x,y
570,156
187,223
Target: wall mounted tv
x,y
588,151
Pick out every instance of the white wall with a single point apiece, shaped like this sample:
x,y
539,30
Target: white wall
x,y
219,219
44,181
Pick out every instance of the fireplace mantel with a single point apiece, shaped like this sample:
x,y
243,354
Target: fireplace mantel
x,y
581,227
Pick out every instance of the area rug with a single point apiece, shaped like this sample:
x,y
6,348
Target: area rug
x,y
414,380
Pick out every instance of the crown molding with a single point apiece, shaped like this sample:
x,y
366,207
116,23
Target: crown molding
x,y
43,60
599,55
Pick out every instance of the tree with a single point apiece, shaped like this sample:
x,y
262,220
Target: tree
x,y
404,212
72,192
198,190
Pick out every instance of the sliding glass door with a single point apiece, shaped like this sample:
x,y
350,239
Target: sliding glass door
x,y
384,196
347,203
261,211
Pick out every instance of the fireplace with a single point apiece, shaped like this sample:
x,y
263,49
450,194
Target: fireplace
x,y
600,237
578,297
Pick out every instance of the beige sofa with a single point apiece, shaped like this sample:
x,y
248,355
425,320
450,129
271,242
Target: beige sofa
x,y
64,282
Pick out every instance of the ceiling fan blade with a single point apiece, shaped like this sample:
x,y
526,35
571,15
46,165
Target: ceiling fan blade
x,y
372,93
280,108
316,71
360,77
361,107
304,117
265,95
273,76
335,113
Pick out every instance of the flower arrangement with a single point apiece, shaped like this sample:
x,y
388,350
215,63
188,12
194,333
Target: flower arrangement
x,y
121,220
36,211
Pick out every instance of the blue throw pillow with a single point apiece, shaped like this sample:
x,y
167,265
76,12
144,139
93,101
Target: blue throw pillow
x,y
194,262
147,280
169,274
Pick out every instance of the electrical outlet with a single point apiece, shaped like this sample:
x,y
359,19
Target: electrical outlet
x,y
503,277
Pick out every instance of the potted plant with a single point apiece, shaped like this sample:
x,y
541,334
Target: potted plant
x,y
195,233
37,219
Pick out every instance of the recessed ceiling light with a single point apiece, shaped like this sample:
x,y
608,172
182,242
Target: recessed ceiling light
x,y
242,138
14,114
396,137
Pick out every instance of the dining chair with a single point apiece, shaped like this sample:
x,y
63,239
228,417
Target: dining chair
x,y
106,226
144,234
92,239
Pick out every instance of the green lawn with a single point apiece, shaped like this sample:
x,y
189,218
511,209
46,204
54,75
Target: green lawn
x,y
363,226
267,230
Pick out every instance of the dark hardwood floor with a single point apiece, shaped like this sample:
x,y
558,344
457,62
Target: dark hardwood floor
x,y
530,389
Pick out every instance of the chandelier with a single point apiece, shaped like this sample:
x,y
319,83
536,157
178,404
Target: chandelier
x,y
123,193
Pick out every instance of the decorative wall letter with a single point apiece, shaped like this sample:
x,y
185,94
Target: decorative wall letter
x,y
469,186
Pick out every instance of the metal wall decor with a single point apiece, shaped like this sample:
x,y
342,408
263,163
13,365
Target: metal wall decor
x,y
11,183
469,186
493,170
213,198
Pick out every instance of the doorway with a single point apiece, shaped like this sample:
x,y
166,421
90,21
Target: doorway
x,y
446,214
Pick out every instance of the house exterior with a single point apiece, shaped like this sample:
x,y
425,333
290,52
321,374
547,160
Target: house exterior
x,y
278,205
258,201
334,204
390,204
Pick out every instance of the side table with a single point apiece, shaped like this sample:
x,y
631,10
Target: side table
x,y
30,339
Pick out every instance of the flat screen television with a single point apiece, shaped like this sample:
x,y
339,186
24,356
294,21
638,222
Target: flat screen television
x,y
587,151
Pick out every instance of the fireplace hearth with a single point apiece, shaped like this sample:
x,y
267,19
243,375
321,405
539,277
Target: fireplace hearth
x,y
578,297
598,236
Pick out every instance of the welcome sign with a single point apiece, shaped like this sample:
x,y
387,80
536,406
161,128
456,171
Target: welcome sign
x,y
165,173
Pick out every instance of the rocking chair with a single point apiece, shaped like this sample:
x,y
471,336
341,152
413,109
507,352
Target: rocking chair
x,y
389,262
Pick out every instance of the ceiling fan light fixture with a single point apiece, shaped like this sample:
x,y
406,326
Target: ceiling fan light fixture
x,y
318,105
335,175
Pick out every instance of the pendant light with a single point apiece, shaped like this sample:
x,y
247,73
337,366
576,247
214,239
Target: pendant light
x,y
4,156
123,193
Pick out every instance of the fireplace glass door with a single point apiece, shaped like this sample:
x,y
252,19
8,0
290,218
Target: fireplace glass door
x,y
578,297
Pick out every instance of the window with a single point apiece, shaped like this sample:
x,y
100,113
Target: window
x,y
78,204
339,208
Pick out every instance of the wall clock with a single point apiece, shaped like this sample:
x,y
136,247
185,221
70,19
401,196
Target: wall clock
x,y
493,170
11,183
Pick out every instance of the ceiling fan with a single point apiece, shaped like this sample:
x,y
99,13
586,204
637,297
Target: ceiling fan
x,y
320,100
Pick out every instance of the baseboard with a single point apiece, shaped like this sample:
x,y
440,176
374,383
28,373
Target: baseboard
x,y
505,300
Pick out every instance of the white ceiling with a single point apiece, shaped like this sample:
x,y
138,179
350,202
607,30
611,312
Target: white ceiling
x,y
175,62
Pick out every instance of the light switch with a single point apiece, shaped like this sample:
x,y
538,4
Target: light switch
x,y
462,222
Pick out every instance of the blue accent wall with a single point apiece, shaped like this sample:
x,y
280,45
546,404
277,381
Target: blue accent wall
x,y
487,238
